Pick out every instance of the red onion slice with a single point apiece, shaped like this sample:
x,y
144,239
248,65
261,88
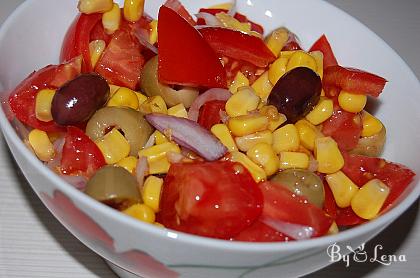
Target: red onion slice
x,y
189,134
209,95
296,231
143,37
141,170
78,182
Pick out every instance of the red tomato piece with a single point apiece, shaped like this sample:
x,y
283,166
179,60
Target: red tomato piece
x,y
323,45
121,62
283,205
260,232
80,154
360,169
210,113
185,58
292,43
22,99
330,206
181,10
77,38
354,80
238,45
347,217
98,33
214,199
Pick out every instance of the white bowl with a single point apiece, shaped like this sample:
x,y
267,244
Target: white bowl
x,y
31,38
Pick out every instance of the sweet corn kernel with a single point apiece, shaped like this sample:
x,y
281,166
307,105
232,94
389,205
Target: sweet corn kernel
x,y
133,9
111,19
41,144
153,31
94,6
371,125
141,212
224,6
160,225
247,124
178,111
154,104
221,131
319,59
246,142
96,48
124,97
333,229
307,133
113,146
301,59
321,112
328,155
113,88
342,188
43,102
129,163
291,160
151,192
263,86
256,171
353,103
275,119
231,22
156,157
159,137
286,138
239,81
287,54
264,155
370,198
276,40
242,102
141,98
277,69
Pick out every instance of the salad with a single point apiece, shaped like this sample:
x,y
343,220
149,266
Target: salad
x,y
207,125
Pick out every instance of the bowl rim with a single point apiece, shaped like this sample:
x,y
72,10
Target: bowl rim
x,y
217,244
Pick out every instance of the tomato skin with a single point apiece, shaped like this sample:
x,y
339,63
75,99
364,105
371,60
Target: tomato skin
x,y
323,45
80,154
210,113
346,217
238,45
181,10
354,80
260,232
330,206
215,199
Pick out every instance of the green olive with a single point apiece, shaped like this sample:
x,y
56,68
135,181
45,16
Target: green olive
x,y
115,187
131,122
151,87
302,182
371,145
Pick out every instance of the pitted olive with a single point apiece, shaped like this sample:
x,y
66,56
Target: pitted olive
x,y
151,87
131,122
371,145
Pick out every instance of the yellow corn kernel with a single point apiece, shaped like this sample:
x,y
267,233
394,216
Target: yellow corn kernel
x,y
43,102
141,98
333,229
151,192
319,59
129,163
94,6
307,133
113,146
141,212
154,104
133,9
371,125
160,225
159,137
301,59
231,22
275,119
178,111
276,40
291,160
353,103
221,131
277,69
287,54
370,198
286,138
239,81
264,155
328,155
156,157
224,6
113,88
275,123
111,19
321,112
41,144
96,48
247,124
246,142
263,86
242,102
342,188
256,171
153,31
124,97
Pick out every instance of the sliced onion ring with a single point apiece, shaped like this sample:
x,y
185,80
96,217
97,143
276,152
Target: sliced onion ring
x,y
209,95
296,231
209,19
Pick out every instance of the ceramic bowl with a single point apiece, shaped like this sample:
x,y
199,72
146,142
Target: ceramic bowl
x,y
31,39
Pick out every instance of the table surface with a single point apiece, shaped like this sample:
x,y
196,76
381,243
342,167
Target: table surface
x,y
34,244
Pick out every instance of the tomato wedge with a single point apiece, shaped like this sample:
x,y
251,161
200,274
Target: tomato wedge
x,y
260,232
354,80
184,56
215,199
210,113
238,45
80,154
323,45
22,99
180,9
